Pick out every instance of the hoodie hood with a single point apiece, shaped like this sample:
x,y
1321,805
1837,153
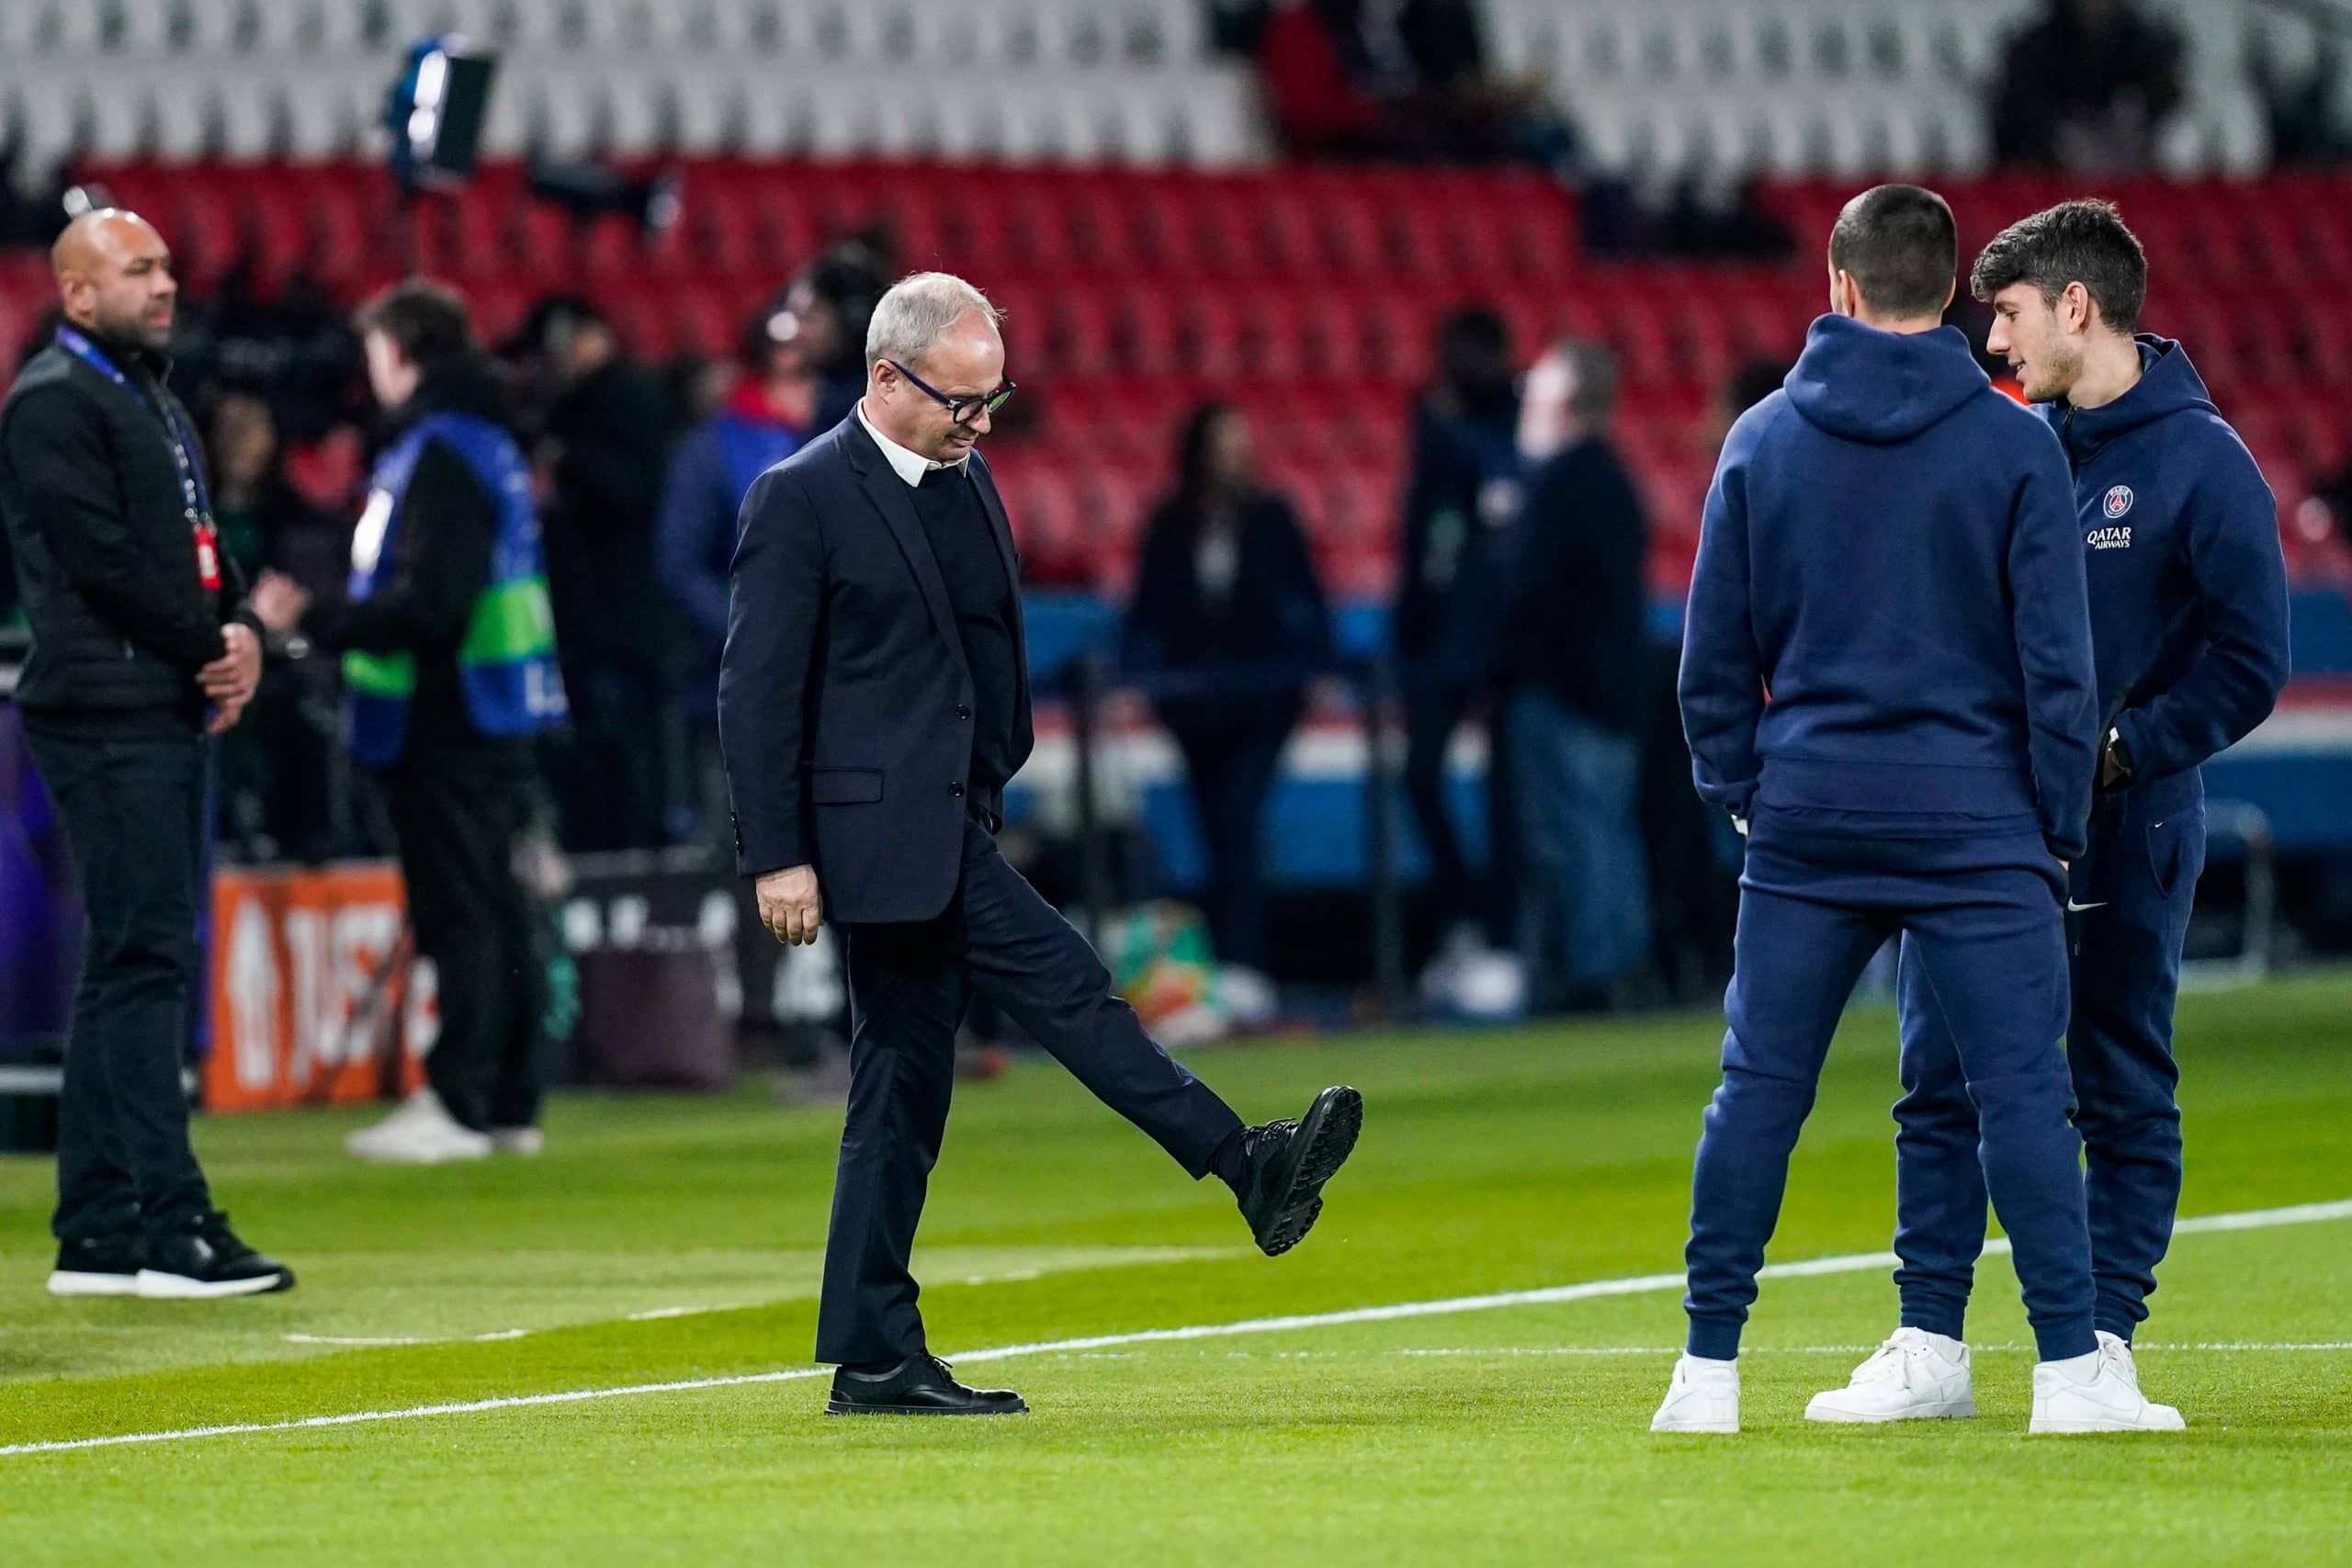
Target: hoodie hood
x,y
1861,384
2168,385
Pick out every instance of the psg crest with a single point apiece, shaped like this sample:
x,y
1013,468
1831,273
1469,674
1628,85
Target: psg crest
x,y
2119,500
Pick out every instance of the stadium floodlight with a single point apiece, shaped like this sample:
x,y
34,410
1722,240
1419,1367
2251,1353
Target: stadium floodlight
x,y
435,110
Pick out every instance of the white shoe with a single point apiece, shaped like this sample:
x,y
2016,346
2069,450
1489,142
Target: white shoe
x,y
2117,1350
1914,1376
525,1141
422,1132
2097,1393
1703,1397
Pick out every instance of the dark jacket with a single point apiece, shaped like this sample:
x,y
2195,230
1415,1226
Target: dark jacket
x,y
1236,659
1463,488
442,541
1578,606
1889,552
2188,585
105,557
845,703
614,429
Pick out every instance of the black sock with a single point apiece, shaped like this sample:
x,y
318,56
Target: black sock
x,y
1229,1164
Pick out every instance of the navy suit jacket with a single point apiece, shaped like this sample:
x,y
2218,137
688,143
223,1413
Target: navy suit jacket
x,y
845,703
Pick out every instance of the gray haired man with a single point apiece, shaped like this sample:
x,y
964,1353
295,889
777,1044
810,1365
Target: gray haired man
x,y
873,704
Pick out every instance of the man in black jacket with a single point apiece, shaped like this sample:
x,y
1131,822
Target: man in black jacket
x,y
142,649
1578,660
443,699
873,703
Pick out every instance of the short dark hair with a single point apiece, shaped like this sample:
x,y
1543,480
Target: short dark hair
x,y
1902,247
2075,241
428,321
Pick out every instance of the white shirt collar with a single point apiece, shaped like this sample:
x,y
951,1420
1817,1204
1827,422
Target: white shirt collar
x,y
909,465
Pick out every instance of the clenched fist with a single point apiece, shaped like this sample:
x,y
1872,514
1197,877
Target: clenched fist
x,y
790,905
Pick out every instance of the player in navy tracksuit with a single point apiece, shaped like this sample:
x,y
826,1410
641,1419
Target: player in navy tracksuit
x,y
1887,677
2188,627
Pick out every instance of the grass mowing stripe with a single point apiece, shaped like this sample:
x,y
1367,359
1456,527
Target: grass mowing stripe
x,y
1855,1262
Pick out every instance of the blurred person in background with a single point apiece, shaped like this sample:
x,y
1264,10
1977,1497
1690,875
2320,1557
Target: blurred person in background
x,y
771,410
1579,663
1226,627
275,786
603,443
2087,87
448,659
1462,492
767,414
144,648
1398,79
874,702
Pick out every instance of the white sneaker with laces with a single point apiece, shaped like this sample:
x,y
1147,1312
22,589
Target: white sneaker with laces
x,y
1914,1376
2119,1350
2097,1393
422,1132
1703,1397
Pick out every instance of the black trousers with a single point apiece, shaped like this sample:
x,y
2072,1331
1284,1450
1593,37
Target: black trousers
x,y
457,812
133,812
1434,707
908,987
1232,769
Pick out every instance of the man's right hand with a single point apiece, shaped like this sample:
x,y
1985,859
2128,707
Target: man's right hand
x,y
789,904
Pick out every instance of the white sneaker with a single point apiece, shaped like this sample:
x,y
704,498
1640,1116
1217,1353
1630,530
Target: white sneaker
x,y
2117,1350
1703,1397
422,1132
523,1141
2097,1393
1914,1376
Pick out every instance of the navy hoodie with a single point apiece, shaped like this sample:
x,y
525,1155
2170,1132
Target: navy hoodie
x,y
1889,552
2187,583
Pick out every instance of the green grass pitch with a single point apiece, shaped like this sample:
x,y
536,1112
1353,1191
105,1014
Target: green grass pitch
x,y
664,1240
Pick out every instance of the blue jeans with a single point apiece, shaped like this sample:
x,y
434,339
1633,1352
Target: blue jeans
x,y
1585,897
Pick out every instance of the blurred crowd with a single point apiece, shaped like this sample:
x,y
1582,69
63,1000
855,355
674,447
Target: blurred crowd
x,y
1520,622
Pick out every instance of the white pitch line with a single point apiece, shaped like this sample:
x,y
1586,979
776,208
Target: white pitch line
x,y
1848,1263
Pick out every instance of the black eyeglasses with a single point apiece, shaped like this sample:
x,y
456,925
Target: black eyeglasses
x,y
963,411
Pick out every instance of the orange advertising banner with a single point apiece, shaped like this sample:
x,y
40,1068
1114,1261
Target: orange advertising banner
x,y
315,999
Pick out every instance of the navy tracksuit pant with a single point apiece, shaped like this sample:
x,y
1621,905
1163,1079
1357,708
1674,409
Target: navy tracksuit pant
x,y
908,986
1819,895
2132,895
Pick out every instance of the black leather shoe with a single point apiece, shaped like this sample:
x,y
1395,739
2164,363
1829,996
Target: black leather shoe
x,y
920,1385
1290,1161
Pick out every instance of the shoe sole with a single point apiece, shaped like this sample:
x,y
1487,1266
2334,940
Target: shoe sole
x,y
1949,1410
160,1287
436,1156
1704,1429
2042,1428
77,1282
1327,1135
838,1407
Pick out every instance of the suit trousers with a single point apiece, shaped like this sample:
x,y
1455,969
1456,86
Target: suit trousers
x,y
1981,912
2136,885
910,984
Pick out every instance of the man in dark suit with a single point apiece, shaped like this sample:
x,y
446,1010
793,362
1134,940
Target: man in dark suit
x,y
873,703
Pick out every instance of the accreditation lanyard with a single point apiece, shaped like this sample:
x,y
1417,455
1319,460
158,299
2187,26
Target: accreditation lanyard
x,y
196,500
